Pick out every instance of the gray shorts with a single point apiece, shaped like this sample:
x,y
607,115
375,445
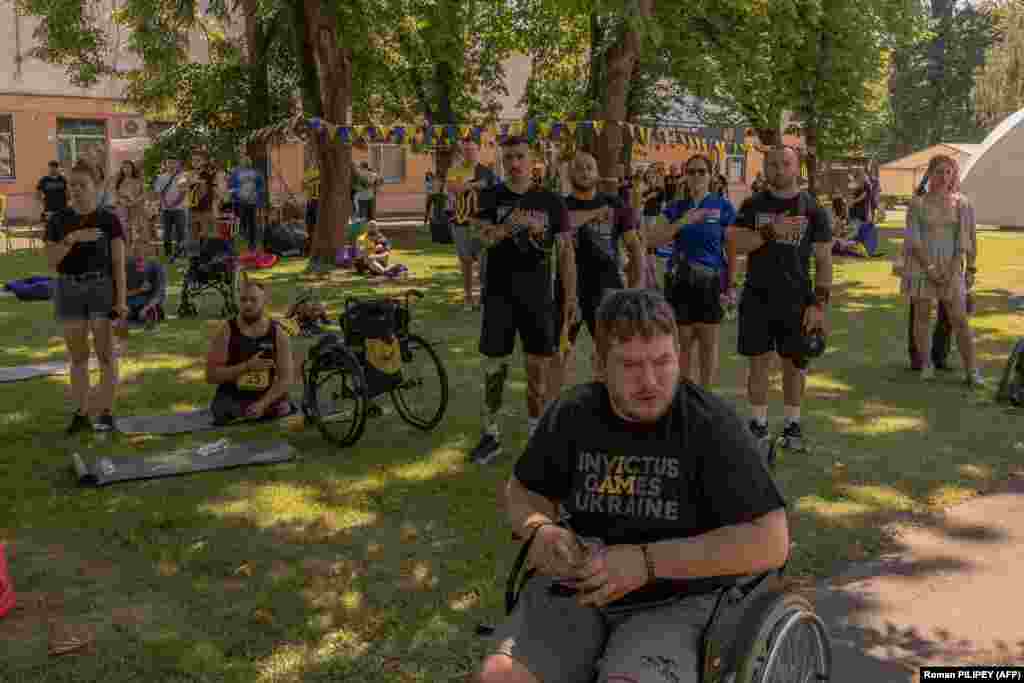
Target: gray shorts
x,y
560,642
83,300
467,245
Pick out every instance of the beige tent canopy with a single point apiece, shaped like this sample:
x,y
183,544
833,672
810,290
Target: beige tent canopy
x,y
993,177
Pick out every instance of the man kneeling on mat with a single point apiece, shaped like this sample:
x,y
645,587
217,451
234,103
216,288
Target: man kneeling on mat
x,y
250,361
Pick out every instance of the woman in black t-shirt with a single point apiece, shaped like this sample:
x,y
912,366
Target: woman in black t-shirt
x,y
85,245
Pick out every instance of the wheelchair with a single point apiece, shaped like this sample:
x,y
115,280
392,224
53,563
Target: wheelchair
x,y
341,384
758,631
212,267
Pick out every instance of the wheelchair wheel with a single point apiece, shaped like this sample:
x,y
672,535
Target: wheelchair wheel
x,y
782,640
335,399
422,397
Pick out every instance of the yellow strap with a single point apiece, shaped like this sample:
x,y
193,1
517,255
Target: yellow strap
x,y
383,355
466,206
254,381
631,237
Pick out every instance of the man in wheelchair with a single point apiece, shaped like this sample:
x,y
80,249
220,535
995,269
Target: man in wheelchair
x,y
662,493
250,361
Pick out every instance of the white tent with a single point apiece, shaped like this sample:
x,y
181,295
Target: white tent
x,y
993,177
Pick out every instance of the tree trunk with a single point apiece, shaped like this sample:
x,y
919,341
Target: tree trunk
x,y
259,94
334,67
811,140
619,61
443,115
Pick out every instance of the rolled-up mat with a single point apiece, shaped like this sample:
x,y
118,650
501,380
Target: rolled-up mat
x,y
7,597
22,372
218,455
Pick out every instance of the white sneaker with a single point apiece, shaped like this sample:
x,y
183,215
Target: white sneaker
x,y
927,373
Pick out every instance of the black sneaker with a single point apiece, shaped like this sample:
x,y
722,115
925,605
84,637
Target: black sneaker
x,y
487,450
760,431
79,423
105,423
792,437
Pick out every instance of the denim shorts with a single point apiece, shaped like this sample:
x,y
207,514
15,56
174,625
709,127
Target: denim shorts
x,y
83,299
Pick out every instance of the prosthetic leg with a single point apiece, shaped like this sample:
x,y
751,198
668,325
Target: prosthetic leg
x,y
495,374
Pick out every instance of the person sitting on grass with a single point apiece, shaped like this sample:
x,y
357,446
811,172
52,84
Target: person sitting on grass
x,y
250,361
147,285
373,251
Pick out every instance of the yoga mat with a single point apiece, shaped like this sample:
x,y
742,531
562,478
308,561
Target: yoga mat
x,y
178,423
218,455
22,372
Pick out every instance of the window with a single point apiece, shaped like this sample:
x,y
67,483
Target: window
x,y
78,138
6,145
389,162
737,165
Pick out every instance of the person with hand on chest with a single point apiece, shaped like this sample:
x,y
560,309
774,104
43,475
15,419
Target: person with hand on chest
x,y
701,276
640,493
782,310
529,254
86,246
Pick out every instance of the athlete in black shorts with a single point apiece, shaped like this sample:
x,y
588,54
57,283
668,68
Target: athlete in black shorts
x,y
779,305
599,221
525,230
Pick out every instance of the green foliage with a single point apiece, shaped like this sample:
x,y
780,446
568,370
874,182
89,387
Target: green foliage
x,y
999,88
933,81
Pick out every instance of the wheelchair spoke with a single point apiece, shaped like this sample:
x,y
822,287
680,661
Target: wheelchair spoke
x,y
799,653
422,397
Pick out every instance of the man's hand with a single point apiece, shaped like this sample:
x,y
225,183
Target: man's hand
x,y
122,310
570,311
729,297
258,362
970,277
556,552
814,318
87,235
609,576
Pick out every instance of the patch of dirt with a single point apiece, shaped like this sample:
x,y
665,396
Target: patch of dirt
x,y
27,620
132,615
232,585
97,569
279,570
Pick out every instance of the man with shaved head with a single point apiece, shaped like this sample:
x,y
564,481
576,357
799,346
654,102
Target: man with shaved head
x,y
781,228
600,221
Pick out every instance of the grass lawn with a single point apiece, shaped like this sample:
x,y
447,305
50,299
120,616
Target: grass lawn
x,y
375,563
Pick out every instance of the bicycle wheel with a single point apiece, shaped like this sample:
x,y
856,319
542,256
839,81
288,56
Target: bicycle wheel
x,y
422,397
335,398
782,640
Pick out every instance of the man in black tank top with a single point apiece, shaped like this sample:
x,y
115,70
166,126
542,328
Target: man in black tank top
x,y
250,361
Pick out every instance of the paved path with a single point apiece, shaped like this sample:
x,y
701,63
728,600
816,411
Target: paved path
x,y
953,595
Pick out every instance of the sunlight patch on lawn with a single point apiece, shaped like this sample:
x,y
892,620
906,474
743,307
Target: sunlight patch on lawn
x,y
268,505
878,496
14,418
950,494
975,471
837,512
442,460
824,381
286,663
890,424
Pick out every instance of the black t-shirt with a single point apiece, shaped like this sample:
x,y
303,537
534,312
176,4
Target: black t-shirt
x,y
672,184
781,269
85,257
516,263
597,243
653,201
696,470
55,190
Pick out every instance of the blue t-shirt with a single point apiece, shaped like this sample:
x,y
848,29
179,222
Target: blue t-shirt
x,y
701,242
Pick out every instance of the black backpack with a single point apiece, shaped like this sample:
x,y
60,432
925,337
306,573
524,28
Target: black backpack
x,y
285,239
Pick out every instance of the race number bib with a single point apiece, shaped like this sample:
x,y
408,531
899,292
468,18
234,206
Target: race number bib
x,y
789,231
257,380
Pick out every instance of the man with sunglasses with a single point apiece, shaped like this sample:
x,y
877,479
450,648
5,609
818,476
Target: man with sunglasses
x,y
780,229
529,255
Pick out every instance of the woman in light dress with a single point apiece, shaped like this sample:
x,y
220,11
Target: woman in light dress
x,y
128,196
940,238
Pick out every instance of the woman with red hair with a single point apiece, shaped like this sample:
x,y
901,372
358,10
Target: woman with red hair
x,y
940,235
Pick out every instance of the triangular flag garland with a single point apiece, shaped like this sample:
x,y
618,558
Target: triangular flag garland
x,y
447,134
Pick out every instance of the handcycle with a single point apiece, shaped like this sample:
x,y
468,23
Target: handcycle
x,y
375,354
759,631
